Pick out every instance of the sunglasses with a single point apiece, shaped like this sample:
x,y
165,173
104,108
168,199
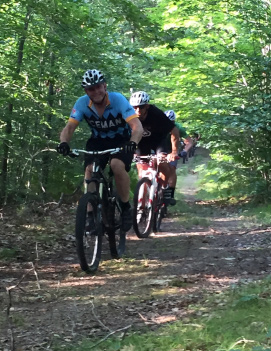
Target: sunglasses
x,y
140,107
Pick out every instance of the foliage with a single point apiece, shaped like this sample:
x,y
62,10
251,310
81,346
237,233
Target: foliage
x,y
209,61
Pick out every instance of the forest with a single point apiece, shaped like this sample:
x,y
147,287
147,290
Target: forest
x,y
207,60
203,281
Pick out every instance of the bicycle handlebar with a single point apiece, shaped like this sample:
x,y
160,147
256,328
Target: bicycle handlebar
x,y
137,158
76,152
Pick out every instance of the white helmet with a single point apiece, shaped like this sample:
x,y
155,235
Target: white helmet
x,y
171,115
139,98
92,77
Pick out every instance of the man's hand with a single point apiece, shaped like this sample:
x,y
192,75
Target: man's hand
x,y
63,148
130,147
173,156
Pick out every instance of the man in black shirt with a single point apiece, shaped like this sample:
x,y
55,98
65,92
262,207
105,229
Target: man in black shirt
x,y
156,127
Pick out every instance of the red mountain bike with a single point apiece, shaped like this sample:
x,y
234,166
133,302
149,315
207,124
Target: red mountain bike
x,y
149,206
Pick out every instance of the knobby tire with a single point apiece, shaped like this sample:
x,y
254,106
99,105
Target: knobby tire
x,y
116,236
160,210
88,246
112,221
143,209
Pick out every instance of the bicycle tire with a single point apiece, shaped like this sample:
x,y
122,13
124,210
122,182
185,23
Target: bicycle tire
x,y
116,236
143,212
88,246
160,210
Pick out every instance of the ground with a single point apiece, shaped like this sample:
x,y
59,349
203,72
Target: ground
x,y
45,298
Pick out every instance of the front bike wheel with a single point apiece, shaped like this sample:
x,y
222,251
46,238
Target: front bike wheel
x,y
143,208
116,236
89,245
160,211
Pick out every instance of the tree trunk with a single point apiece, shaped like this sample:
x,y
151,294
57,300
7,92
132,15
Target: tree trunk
x,y
7,145
48,133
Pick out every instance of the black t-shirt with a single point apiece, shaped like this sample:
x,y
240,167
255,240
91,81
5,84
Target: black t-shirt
x,y
156,126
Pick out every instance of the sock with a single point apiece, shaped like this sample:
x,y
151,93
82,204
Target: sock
x,y
172,191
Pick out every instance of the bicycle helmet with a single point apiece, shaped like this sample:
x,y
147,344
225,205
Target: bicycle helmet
x,y
139,98
92,77
171,115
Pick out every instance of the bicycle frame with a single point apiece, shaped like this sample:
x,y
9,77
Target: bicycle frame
x,y
98,175
151,173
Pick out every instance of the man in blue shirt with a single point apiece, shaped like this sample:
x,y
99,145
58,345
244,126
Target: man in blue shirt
x,y
113,123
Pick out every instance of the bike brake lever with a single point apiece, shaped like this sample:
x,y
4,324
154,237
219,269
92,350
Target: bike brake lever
x,y
74,153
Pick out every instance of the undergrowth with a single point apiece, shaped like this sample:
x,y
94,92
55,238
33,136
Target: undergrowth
x,y
234,320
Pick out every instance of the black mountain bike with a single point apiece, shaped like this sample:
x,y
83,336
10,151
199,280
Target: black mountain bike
x,y
106,211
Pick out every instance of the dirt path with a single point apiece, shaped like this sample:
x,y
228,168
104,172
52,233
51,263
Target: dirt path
x,y
45,298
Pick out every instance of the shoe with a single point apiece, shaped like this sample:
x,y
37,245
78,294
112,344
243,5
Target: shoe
x,y
90,224
126,219
168,197
172,201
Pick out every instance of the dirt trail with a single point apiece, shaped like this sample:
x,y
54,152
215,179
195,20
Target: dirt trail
x,y
45,298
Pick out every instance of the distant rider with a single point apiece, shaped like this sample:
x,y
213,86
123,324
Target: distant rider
x,y
188,143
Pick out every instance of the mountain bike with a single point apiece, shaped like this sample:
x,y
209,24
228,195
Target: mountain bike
x,y
149,206
106,210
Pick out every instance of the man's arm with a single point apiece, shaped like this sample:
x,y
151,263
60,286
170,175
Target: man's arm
x,y
67,132
175,141
137,129
188,143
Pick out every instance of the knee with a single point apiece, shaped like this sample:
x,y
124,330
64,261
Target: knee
x,y
117,166
88,171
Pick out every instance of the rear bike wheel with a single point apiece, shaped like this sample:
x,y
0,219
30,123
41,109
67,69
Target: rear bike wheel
x,y
89,245
160,210
116,236
143,208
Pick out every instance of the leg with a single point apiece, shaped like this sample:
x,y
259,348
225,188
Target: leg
x,y
172,178
140,167
165,171
88,175
168,191
122,181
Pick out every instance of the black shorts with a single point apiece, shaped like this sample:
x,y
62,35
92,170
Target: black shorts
x,y
99,144
146,148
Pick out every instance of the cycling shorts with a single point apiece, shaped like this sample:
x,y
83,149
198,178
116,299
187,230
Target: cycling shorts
x,y
100,144
147,148
174,163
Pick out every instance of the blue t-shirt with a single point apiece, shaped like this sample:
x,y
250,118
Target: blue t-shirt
x,y
113,123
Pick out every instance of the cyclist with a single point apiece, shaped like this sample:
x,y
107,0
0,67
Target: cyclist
x,y
113,123
188,143
156,128
196,137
